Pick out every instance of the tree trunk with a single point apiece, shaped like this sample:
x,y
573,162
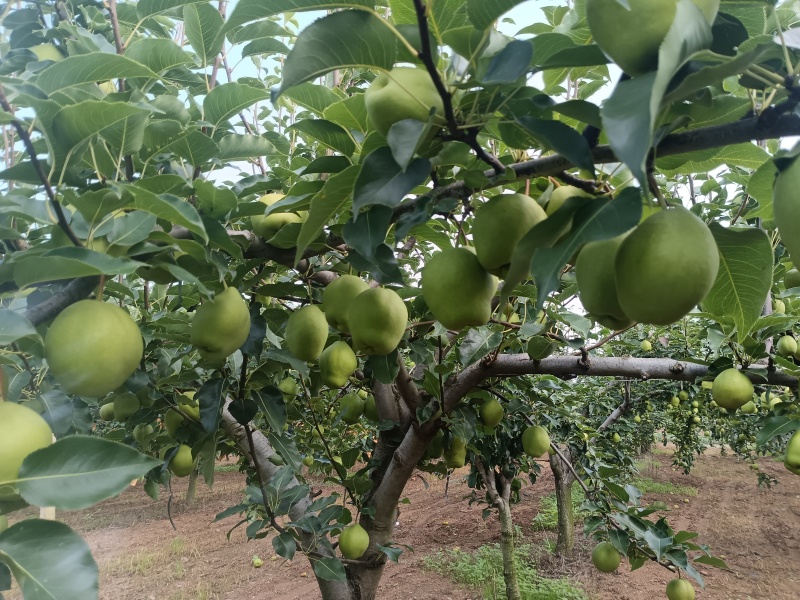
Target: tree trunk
x,y
507,546
564,479
191,492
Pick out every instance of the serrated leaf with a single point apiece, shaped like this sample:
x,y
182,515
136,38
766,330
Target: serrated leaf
x,y
329,569
69,263
657,544
229,99
158,55
49,560
90,68
329,201
477,344
79,471
202,24
284,545
350,113
285,446
776,426
314,97
147,8
241,146
170,208
14,326
326,133
562,138
712,561
382,181
273,406
321,47
367,234
744,277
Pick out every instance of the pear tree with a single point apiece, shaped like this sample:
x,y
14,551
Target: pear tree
x,y
368,237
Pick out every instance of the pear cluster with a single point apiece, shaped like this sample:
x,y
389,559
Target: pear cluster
x,y
655,274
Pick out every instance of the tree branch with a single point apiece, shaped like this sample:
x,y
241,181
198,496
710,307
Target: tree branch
x,y
75,290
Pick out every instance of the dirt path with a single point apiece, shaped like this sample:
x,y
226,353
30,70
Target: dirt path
x,y
143,558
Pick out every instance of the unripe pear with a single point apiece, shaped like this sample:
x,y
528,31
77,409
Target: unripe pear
x,y
125,406
646,346
535,441
457,289
47,52
182,464
455,456
732,389
680,589
791,459
337,363
645,24
220,326
92,347
499,225
779,307
557,199
172,421
142,432
491,413
370,408
605,557
268,226
107,412
399,94
337,297
665,267
353,541
351,407
597,283
22,431
791,279
289,388
683,395
378,319
786,346
307,332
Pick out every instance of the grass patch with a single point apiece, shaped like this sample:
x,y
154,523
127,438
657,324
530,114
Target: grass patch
x,y
230,468
483,570
547,517
650,486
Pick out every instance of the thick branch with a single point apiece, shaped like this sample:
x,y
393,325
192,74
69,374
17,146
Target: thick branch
x,y
570,366
75,290
704,138
619,411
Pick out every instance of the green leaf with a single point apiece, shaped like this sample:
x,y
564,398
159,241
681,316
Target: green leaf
x,y
656,543
285,446
89,68
270,400
630,113
158,55
744,278
69,263
284,545
562,138
329,569
367,234
776,426
79,471
329,201
240,146
170,208
147,8
712,561
382,181
202,24
760,187
252,10
321,47
229,99
620,540
314,97
49,561
477,344
508,65
215,202
482,13
14,326
326,133
350,113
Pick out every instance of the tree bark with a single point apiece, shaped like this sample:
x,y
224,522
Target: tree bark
x,y
191,492
564,479
507,547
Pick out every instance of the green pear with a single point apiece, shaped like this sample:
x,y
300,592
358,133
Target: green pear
x,y
370,408
107,412
457,289
22,431
189,406
142,433
605,557
557,199
351,407
491,413
645,346
402,93
353,541
435,448
791,459
378,319
455,456
683,395
535,441
499,224
220,326
337,363
779,307
791,279
268,226
307,332
732,389
337,297
172,421
631,36
786,206
665,267
680,589
182,464
125,406
597,283
47,52
289,388
749,408
786,346
92,347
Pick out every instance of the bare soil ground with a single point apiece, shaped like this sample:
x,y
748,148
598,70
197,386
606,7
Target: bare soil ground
x,y
141,557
